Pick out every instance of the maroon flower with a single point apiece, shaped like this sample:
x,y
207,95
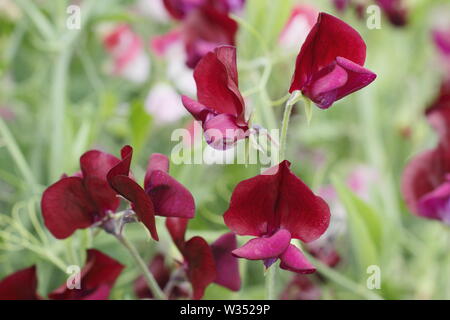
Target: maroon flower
x,y
395,10
79,201
97,279
276,207
163,195
341,5
441,38
205,264
205,29
220,106
21,285
178,9
426,179
330,63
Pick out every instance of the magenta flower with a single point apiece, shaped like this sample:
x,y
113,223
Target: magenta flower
x,y
79,201
179,9
330,63
21,285
96,281
276,207
396,11
220,106
204,264
426,179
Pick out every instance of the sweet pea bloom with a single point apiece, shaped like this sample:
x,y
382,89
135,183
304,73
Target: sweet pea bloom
x,y
179,9
276,207
302,20
426,179
330,63
79,201
162,195
129,59
220,106
164,104
205,264
96,281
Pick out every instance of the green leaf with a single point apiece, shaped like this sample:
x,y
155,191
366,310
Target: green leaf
x,y
364,225
140,123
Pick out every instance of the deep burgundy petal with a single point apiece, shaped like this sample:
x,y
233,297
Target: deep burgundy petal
x,y
265,248
21,285
436,204
216,79
438,114
66,206
227,266
170,198
95,163
177,229
330,38
97,279
201,270
294,260
196,109
261,205
140,201
222,131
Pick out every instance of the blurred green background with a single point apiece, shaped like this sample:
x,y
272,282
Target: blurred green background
x,y
60,101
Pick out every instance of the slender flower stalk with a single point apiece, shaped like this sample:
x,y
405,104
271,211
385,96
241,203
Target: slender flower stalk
x,y
149,278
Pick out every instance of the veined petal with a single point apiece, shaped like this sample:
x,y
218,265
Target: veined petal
x,y
201,270
66,206
265,248
227,267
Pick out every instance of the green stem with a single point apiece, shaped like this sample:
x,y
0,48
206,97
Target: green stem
x,y
270,283
39,20
17,155
152,284
295,97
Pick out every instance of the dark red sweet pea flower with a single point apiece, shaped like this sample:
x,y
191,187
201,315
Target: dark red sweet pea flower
x,y
205,264
396,11
179,9
21,285
330,63
163,195
204,29
79,201
276,207
220,106
97,279
426,179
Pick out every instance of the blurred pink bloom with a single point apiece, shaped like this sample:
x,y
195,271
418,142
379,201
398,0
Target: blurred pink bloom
x,y
128,55
361,179
164,104
441,37
301,21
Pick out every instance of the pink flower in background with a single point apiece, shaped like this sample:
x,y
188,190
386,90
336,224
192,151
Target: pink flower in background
x,y
361,179
179,9
204,264
220,106
129,58
426,178
396,11
441,37
276,207
96,281
341,5
300,23
330,63
164,104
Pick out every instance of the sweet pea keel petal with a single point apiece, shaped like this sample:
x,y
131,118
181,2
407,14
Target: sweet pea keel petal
x,y
265,248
